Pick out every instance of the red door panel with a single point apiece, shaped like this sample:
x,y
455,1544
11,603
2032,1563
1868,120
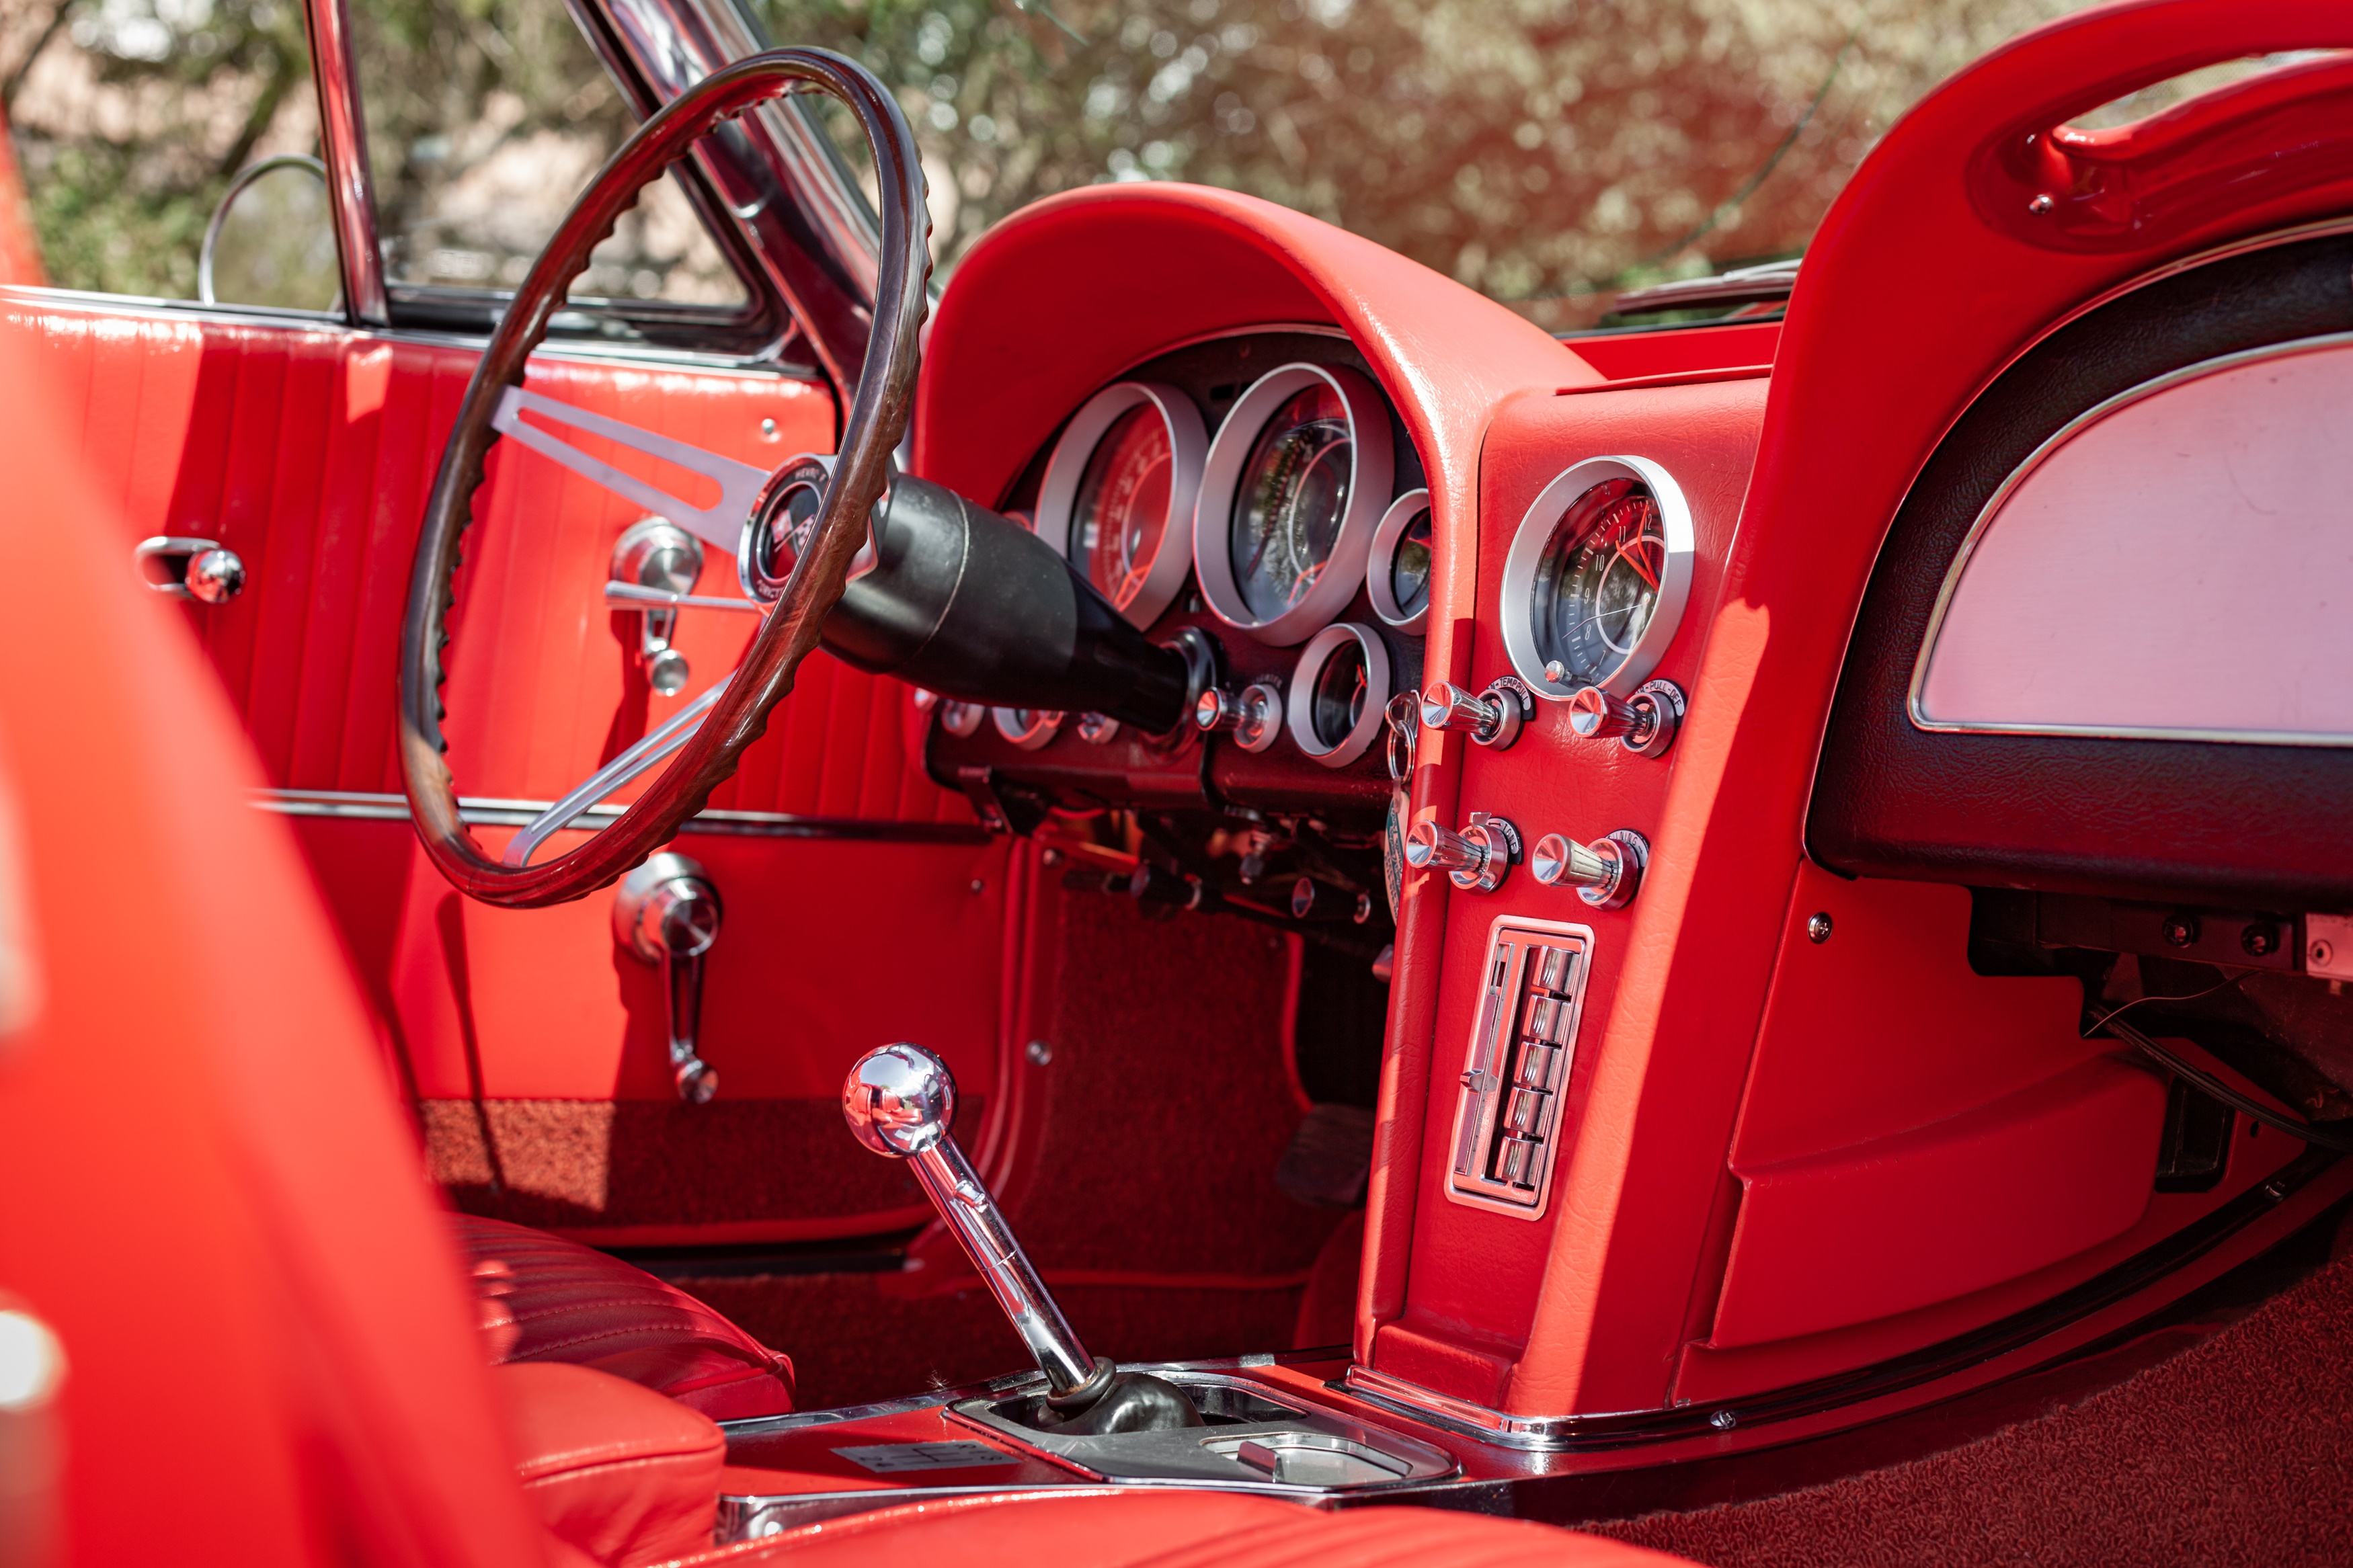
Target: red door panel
x,y
310,452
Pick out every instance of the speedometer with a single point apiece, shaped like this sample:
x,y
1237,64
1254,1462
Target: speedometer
x,y
1117,499
1597,578
1296,481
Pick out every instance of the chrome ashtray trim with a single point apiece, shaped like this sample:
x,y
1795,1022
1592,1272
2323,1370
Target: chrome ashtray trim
x,y
1299,706
1537,528
1380,561
1199,1456
1372,469
1188,447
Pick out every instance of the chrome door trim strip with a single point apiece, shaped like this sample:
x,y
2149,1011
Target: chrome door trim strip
x,y
145,308
2008,486
489,812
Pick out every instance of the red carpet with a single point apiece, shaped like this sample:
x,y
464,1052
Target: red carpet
x,y
2237,1451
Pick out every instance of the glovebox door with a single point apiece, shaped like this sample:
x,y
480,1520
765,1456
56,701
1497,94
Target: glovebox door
x,y
863,904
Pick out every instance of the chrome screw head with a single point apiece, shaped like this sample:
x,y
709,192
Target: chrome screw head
x,y
1818,927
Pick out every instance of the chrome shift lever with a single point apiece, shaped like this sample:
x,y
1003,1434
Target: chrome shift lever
x,y
899,1101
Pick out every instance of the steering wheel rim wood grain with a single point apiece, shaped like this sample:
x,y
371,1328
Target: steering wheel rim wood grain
x,y
876,421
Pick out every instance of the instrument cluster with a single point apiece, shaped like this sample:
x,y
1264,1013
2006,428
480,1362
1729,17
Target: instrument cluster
x,y
1255,500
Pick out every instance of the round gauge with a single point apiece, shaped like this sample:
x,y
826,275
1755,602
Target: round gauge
x,y
1339,694
1028,728
1397,575
1117,499
1597,578
1295,483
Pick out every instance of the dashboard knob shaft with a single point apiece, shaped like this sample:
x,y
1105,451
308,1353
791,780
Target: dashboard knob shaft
x,y
1596,715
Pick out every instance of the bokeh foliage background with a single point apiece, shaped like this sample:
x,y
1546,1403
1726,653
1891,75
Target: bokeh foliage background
x,y
1545,150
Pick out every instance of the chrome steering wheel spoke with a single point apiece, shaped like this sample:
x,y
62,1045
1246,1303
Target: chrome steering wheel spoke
x,y
720,525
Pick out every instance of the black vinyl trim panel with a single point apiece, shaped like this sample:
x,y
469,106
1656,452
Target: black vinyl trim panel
x,y
2260,826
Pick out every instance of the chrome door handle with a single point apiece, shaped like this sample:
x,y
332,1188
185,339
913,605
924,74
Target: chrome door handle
x,y
179,567
666,913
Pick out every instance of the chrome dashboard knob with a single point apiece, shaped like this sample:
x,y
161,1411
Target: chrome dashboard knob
x,y
1217,709
1606,873
1644,723
1476,859
1429,845
1492,718
1596,715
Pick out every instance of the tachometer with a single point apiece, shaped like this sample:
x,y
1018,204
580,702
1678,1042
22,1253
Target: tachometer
x,y
1117,499
1597,578
1296,480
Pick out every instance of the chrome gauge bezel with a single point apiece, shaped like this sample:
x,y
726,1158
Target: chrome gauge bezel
x,y
1188,447
1538,527
1028,728
1299,708
1380,561
1372,469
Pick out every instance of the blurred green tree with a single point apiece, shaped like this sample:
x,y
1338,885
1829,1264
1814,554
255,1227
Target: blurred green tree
x,y
1544,151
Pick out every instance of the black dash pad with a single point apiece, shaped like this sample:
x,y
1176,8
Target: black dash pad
x,y
893,1459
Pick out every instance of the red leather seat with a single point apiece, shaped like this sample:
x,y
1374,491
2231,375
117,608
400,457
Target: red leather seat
x,y
544,1298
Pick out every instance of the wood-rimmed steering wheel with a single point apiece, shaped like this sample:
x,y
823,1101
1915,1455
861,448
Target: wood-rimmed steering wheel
x,y
733,714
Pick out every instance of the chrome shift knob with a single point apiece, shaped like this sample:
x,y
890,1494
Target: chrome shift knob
x,y
899,1100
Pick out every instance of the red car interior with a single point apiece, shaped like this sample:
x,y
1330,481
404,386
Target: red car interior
x,y
378,1223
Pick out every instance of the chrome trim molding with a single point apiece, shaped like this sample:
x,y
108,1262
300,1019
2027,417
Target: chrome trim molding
x,y
2016,1334
245,177
1529,541
483,812
570,349
2009,487
1372,471
1299,712
1536,1433
1380,562
342,136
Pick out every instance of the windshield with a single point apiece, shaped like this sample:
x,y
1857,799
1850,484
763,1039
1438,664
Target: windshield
x,y
1547,152
1552,153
